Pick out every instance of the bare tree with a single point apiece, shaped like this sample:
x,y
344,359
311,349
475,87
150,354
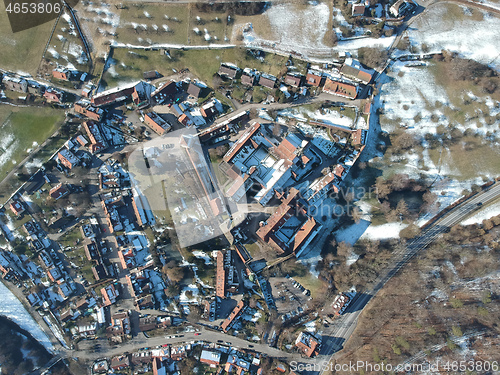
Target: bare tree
x,y
277,129
402,208
382,188
344,249
173,271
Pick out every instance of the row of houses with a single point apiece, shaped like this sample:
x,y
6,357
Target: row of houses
x,y
226,276
157,361
26,86
222,129
140,93
87,109
252,77
343,83
233,317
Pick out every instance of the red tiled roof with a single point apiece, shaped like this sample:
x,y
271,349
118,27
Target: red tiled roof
x,y
303,233
220,288
232,316
340,88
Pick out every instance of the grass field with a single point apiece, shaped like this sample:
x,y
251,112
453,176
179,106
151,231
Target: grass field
x,y
70,238
311,282
22,129
470,158
23,50
130,65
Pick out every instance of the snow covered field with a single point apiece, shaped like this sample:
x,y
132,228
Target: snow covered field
x,y
407,94
297,26
12,308
472,39
302,29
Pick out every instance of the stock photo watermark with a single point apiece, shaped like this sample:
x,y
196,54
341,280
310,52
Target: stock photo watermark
x,y
414,368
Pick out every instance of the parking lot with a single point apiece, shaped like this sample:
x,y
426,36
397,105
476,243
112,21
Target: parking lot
x,y
290,297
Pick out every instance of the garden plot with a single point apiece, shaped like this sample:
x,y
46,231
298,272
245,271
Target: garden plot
x,y
289,26
409,99
413,102
297,25
65,47
206,28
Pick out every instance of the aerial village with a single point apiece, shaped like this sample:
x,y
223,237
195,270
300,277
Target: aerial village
x,y
96,256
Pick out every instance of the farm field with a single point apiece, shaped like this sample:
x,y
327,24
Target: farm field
x,y
143,25
22,51
22,129
146,24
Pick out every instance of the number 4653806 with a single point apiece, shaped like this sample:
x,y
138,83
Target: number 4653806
x,y
33,8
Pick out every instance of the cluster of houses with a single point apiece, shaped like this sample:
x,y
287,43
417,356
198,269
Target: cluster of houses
x,y
344,81
227,281
144,94
52,288
162,360
257,159
67,74
27,87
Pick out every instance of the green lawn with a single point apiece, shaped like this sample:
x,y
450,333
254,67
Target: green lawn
x,y
202,63
476,159
70,238
315,285
23,50
20,128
